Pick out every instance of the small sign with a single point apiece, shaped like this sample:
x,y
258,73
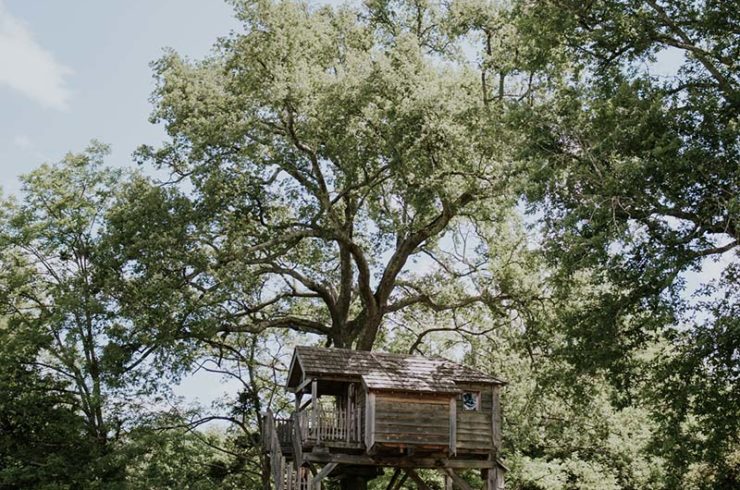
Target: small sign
x,y
470,400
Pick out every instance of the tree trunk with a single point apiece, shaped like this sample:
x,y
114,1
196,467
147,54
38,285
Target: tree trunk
x,y
357,477
357,482
265,472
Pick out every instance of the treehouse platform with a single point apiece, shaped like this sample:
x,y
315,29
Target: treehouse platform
x,y
358,413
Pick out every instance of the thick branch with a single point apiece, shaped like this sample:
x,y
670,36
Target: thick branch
x,y
410,244
686,43
426,300
290,322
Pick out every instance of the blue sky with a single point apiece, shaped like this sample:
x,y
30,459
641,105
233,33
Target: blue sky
x,y
71,71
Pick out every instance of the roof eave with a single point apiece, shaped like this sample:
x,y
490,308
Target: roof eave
x,y
293,361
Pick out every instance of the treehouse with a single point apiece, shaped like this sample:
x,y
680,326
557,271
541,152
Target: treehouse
x,y
359,412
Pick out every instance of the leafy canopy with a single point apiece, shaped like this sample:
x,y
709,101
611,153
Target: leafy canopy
x,y
330,158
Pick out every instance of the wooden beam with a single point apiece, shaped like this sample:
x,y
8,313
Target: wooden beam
x,y
395,462
370,422
494,478
402,481
297,437
305,404
315,408
496,419
298,397
461,484
420,484
453,426
392,483
349,406
316,480
302,386
489,479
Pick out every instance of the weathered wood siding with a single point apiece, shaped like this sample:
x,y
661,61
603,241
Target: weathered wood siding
x,y
412,420
474,428
361,401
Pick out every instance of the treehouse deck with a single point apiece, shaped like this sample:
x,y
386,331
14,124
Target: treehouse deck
x,y
367,411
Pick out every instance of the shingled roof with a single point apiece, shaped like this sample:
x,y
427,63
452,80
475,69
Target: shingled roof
x,y
384,371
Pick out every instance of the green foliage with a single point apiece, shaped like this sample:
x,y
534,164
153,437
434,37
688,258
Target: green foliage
x,y
324,150
177,459
42,435
72,362
638,177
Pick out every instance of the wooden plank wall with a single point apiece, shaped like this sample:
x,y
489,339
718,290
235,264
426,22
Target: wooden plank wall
x,y
474,428
360,393
412,420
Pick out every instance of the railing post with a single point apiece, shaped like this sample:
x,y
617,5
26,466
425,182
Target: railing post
x,y
358,420
315,408
297,441
350,406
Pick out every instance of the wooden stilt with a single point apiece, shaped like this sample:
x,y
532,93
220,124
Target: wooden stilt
x,y
316,480
393,479
448,483
420,484
459,482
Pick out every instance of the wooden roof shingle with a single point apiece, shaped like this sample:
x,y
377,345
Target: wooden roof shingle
x,y
384,371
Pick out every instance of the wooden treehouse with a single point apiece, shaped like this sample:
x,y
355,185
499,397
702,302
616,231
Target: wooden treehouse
x,y
358,412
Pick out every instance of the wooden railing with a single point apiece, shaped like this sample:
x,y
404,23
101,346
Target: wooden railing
x,y
292,478
331,424
284,475
284,429
314,424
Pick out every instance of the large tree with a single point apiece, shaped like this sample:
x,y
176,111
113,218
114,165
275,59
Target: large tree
x,y
335,166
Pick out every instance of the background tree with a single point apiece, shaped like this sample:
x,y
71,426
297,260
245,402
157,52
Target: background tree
x,y
42,432
331,169
66,350
637,177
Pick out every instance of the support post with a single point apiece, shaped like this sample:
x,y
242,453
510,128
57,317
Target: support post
x,y
370,423
453,426
316,480
392,483
297,437
420,484
459,482
496,419
402,481
348,406
493,478
315,409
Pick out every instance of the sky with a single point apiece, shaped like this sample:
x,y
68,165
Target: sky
x,y
76,70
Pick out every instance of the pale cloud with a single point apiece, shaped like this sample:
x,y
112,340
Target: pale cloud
x,y
22,141
27,67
